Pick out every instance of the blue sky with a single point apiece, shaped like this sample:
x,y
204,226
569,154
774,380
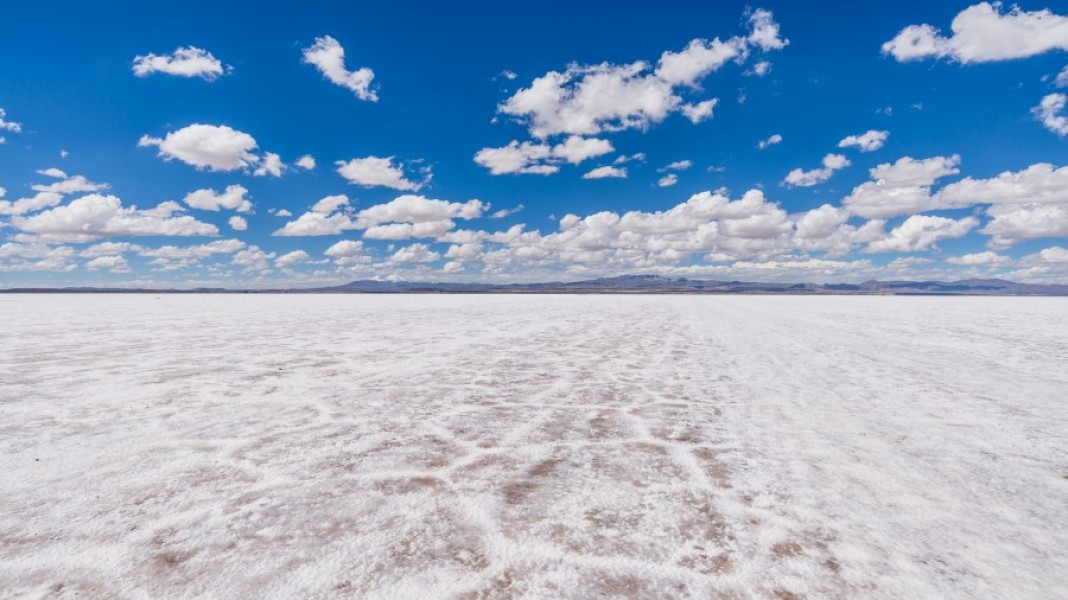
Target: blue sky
x,y
955,109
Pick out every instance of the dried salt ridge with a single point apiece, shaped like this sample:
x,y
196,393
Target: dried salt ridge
x,y
533,446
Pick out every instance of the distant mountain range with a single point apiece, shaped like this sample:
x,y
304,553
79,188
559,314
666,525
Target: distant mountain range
x,y
634,284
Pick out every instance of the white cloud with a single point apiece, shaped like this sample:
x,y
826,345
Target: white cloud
x,y
418,209
16,256
518,158
802,178
920,232
329,57
1040,183
678,165
623,158
169,258
212,147
306,162
96,215
416,253
1061,80
115,264
329,204
316,223
376,171
982,33
1011,224
1050,112
504,212
109,249
590,99
668,180
282,212
31,204
69,185
291,258
233,198
700,111
903,187
345,249
771,141
760,69
606,172
9,125
403,217
576,149
868,141
979,259
183,62
270,165
52,172
540,158
237,223
253,258
765,31
404,231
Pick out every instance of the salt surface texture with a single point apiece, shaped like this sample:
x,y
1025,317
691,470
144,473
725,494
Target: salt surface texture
x,y
531,446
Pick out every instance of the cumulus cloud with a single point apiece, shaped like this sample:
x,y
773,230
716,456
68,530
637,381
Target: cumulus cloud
x,y
183,62
903,187
801,178
978,259
920,232
760,69
416,253
109,249
1011,224
235,197
623,158
770,141
96,215
11,126
418,210
271,164
868,141
590,99
329,204
67,185
114,264
403,217
31,204
1050,112
237,223
668,180
289,259
169,258
606,172
679,165
700,111
540,158
982,33
345,249
211,147
1061,80
15,256
375,171
327,55
306,162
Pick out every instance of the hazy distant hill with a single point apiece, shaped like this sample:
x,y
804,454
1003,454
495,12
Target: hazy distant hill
x,y
630,284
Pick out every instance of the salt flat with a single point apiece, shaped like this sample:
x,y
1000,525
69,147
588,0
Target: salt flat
x,y
301,446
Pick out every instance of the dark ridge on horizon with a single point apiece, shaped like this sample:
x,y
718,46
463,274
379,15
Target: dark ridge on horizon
x,y
623,284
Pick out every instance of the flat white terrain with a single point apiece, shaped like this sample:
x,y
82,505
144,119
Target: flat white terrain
x,y
300,446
